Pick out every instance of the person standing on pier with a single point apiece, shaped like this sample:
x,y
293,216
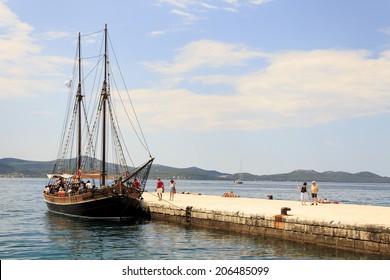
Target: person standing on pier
x,y
159,188
303,190
314,192
172,184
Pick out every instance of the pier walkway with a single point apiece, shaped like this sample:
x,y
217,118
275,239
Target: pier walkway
x,y
353,227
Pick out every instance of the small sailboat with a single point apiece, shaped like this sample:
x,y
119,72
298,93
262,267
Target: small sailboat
x,y
241,179
91,177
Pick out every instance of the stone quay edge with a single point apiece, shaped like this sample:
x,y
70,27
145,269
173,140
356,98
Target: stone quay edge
x,y
360,228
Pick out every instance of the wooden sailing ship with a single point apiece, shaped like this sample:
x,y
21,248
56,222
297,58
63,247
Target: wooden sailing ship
x,y
91,177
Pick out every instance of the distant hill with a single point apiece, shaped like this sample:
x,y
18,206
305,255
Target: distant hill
x,y
11,167
193,173
327,176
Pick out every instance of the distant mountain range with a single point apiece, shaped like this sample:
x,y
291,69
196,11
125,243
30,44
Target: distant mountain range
x,y
11,167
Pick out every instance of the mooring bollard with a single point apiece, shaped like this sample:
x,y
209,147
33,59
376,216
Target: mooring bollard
x,y
284,210
188,214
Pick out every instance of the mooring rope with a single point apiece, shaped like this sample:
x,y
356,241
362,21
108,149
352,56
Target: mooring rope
x,y
169,202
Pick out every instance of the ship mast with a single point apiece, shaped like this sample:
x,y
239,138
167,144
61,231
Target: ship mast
x,y
104,105
79,100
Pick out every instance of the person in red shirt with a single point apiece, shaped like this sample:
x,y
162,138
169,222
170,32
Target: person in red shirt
x,y
136,184
159,188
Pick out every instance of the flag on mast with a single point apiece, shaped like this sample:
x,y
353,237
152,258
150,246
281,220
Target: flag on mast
x,y
68,83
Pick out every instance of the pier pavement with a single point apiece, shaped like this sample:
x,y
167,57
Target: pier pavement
x,y
353,227
337,213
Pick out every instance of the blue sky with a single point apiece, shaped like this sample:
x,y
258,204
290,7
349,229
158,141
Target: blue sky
x,y
279,85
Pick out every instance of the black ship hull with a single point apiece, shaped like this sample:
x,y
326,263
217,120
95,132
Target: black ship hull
x,y
112,207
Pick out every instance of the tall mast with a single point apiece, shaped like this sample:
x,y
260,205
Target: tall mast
x,y
104,105
79,100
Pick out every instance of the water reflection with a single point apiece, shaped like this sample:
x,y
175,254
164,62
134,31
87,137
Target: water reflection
x,y
78,238
74,238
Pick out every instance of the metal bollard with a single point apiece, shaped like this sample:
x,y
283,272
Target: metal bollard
x,y
188,214
284,210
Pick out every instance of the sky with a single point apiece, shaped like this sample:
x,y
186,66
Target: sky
x,y
269,85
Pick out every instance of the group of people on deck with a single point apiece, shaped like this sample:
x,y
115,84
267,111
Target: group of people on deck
x,y
305,192
60,187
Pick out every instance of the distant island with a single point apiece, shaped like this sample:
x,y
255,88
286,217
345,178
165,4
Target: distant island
x,y
19,168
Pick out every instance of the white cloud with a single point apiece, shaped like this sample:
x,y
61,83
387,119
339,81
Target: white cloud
x,y
21,59
177,3
54,35
190,9
258,2
234,3
295,88
187,17
15,40
204,53
319,86
385,30
208,6
157,33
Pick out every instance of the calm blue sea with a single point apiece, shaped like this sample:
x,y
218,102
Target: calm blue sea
x,y
28,231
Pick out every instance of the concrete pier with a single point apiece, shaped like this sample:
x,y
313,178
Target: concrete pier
x,y
359,228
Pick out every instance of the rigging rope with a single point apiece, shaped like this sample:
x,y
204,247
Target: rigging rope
x,y
89,133
131,102
132,124
92,33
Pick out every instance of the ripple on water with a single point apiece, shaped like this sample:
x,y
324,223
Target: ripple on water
x,y
29,231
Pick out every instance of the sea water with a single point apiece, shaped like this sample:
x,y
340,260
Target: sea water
x,y
28,231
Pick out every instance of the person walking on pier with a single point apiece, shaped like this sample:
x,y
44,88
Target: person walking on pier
x,y
314,192
303,190
159,188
